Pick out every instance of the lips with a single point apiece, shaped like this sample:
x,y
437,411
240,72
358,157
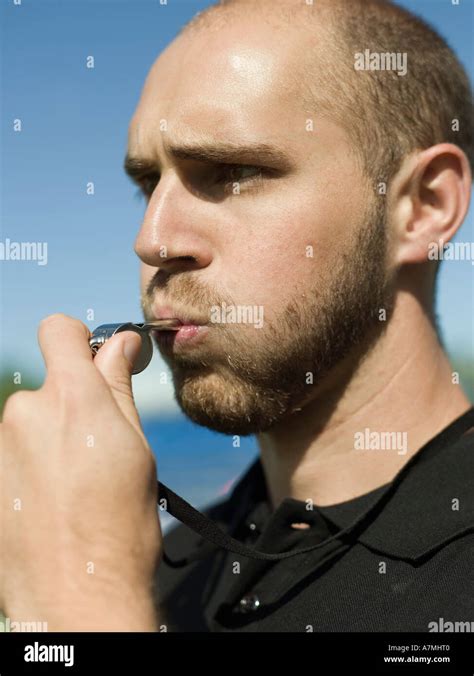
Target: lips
x,y
167,312
192,331
187,334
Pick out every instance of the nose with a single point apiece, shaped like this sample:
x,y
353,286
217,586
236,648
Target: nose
x,y
173,235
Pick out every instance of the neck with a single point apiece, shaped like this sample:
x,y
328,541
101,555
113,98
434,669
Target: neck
x,y
327,451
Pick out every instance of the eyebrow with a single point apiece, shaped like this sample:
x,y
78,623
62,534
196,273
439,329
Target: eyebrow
x,y
212,153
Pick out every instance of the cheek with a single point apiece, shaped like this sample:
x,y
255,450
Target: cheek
x,y
276,260
293,245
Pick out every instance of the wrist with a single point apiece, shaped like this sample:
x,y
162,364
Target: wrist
x,y
127,610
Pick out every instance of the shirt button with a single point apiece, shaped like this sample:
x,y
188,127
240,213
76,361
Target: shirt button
x,y
253,526
300,525
249,603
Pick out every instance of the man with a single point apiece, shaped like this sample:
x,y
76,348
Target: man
x,y
293,195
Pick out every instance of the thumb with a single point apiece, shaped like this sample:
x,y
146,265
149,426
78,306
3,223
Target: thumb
x,y
115,361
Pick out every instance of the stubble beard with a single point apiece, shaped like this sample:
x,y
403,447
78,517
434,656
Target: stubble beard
x,y
260,376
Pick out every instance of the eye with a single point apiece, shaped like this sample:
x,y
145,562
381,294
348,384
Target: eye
x,y
147,185
237,173
223,175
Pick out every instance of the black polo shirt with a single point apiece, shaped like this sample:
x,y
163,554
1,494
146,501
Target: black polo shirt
x,y
404,561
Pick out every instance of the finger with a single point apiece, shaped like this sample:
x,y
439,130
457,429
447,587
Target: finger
x,y
64,343
115,361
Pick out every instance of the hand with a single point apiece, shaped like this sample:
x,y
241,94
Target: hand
x,y
80,533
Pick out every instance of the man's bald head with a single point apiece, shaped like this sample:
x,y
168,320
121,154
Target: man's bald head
x,y
259,146
279,13
387,115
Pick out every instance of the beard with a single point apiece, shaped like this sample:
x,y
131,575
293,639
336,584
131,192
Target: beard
x,y
247,380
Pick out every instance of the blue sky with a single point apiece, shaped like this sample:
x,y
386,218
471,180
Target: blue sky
x,y
74,128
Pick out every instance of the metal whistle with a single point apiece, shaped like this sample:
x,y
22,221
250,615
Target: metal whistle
x,y
102,333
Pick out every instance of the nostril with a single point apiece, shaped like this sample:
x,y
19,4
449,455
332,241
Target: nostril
x,y
190,259
170,259
178,263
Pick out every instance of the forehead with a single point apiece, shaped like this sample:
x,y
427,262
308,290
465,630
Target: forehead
x,y
224,85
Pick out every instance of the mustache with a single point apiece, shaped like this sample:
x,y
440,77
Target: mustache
x,y
181,291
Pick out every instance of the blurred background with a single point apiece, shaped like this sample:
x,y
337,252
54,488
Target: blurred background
x,y
73,133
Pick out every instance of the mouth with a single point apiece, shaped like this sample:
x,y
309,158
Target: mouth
x,y
190,330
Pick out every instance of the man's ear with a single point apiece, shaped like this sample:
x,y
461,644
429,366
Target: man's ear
x,y
429,201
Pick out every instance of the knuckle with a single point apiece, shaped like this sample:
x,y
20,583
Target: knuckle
x,y
59,318
51,319
17,406
120,384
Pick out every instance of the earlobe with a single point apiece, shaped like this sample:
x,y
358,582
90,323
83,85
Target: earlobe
x,y
432,201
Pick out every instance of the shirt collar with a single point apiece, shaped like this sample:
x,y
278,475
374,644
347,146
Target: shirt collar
x,y
431,506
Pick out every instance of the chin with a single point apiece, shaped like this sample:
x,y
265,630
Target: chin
x,y
227,404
